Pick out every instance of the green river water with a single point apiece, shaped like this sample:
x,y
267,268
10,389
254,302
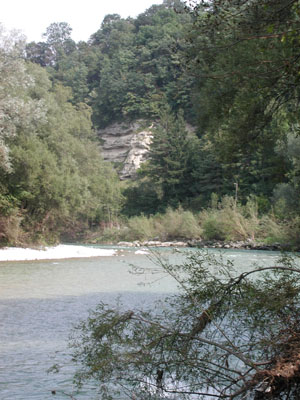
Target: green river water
x,y
40,301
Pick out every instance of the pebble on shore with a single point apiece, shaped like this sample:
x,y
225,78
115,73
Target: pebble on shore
x,y
246,245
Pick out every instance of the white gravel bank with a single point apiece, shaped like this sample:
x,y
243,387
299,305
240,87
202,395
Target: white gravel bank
x,y
53,253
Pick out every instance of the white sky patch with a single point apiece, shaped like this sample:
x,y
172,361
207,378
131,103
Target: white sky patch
x,y
32,17
53,253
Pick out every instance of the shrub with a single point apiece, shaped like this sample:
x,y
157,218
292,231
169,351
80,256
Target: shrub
x,y
212,226
179,224
141,228
11,232
230,221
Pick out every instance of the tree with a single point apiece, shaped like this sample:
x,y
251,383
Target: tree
x,y
73,72
245,56
39,53
17,109
253,46
224,335
53,178
141,197
58,38
140,65
205,175
58,33
168,157
286,194
58,174
181,170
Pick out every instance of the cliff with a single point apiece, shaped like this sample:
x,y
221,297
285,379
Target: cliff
x,y
126,145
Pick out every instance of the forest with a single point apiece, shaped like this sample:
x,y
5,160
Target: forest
x,y
230,69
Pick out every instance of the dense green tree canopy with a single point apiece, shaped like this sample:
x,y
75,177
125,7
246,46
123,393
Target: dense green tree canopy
x,y
17,109
245,56
128,67
228,67
53,176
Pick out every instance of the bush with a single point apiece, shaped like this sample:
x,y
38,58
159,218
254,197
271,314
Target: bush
x,y
212,226
172,225
11,232
141,228
271,230
224,220
230,221
178,224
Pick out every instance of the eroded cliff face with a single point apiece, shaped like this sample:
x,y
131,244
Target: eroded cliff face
x,y
127,145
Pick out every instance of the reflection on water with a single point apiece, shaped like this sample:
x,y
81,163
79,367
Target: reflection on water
x,y
41,301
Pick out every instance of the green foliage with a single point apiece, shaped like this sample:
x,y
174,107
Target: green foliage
x,y
179,224
170,166
168,156
205,175
213,228
57,180
58,39
246,93
224,334
225,220
141,197
231,221
18,110
171,225
286,195
10,229
230,68
141,228
129,66
286,231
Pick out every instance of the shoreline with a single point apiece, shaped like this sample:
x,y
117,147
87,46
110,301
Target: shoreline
x,y
67,251
59,252
205,244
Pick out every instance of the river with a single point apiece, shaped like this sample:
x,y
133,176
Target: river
x,y
40,302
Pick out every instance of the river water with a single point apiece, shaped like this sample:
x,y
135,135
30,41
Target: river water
x,y
40,302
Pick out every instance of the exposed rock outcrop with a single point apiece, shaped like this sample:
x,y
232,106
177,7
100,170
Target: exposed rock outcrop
x,y
127,144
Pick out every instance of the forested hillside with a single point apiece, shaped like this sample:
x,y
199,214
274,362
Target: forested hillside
x,y
53,178
230,69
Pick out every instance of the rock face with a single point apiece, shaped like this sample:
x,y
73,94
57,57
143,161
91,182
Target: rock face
x,y
126,144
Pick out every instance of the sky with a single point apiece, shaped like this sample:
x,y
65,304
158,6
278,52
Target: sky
x,y
32,17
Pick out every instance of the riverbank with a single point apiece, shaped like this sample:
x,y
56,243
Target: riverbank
x,y
68,251
52,253
226,225
214,244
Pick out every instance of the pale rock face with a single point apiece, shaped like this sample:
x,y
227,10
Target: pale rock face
x,y
127,144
